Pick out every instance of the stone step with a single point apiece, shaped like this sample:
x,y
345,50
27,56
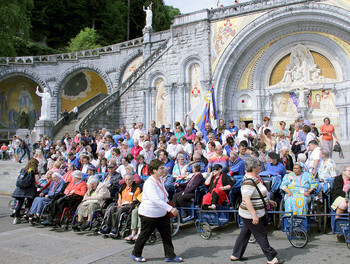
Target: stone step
x,y
9,171
70,128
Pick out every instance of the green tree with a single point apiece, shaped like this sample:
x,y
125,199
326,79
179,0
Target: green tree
x,y
14,22
86,39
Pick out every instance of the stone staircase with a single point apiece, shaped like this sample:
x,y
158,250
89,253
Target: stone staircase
x,y
71,127
9,171
125,86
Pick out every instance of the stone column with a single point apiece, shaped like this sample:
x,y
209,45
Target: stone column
x,y
147,45
152,102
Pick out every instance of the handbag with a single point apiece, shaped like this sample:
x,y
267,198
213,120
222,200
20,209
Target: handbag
x,y
264,219
170,214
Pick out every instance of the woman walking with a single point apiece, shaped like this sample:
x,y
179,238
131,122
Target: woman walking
x,y
252,210
153,212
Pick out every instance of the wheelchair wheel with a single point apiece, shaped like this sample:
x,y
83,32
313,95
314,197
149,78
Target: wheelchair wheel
x,y
298,238
236,207
153,238
277,217
12,205
205,230
174,225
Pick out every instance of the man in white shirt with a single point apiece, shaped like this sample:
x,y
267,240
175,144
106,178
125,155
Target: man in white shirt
x,y
172,147
314,161
187,146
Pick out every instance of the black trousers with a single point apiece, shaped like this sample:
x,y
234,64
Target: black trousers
x,y
58,205
113,216
20,202
260,235
148,225
180,199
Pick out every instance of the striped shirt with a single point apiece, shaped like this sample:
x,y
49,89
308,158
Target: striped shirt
x,y
249,190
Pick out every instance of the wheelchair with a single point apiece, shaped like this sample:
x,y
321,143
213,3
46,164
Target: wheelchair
x,y
219,217
23,212
340,225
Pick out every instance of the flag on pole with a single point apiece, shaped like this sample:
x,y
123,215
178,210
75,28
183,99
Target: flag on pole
x,y
218,3
205,111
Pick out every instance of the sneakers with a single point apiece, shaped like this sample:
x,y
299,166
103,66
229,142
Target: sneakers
x,y
104,231
85,226
113,233
46,223
16,221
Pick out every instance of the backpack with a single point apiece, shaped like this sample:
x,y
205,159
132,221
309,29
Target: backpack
x,y
24,179
22,145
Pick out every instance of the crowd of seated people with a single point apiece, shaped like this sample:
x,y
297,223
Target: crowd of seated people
x,y
83,170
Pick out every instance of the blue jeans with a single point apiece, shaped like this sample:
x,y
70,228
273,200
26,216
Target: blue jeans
x,y
25,151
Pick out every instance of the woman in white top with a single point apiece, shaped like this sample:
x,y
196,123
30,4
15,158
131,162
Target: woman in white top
x,y
153,213
242,133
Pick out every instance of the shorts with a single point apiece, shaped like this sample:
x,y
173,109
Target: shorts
x,y
337,201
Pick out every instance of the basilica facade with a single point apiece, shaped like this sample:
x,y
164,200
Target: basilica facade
x,y
276,58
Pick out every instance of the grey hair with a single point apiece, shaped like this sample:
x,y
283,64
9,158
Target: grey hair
x,y
180,156
146,143
196,156
251,163
324,152
129,175
299,125
92,179
196,167
233,154
285,148
301,157
241,123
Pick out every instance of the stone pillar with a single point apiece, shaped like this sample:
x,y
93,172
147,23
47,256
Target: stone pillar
x,y
343,123
152,102
45,127
147,45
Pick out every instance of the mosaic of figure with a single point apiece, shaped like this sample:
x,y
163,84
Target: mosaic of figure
x,y
195,94
161,105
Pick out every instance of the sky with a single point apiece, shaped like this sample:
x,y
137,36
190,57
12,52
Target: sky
x,y
187,6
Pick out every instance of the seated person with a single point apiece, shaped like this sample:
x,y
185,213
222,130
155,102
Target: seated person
x,y
46,196
142,167
219,185
181,198
196,159
340,186
298,185
286,159
111,179
130,170
135,222
96,193
236,164
44,182
274,166
127,195
262,154
179,170
74,193
243,151
67,177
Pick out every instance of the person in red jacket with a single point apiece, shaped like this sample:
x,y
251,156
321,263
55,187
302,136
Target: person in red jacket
x,y
74,194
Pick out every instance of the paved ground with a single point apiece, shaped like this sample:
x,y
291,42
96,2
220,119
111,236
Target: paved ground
x,y
24,243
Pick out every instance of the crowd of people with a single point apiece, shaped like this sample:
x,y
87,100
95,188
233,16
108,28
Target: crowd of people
x,y
144,170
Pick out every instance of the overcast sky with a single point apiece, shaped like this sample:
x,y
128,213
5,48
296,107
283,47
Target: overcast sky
x,y
187,6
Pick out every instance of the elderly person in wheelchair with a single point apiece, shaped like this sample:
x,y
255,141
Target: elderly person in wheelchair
x,y
298,185
341,186
93,199
127,196
46,196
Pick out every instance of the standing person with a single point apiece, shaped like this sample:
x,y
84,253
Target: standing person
x,y
20,193
153,212
65,116
252,210
24,145
327,132
75,111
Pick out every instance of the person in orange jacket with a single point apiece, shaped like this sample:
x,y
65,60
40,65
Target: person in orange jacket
x,y
74,194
